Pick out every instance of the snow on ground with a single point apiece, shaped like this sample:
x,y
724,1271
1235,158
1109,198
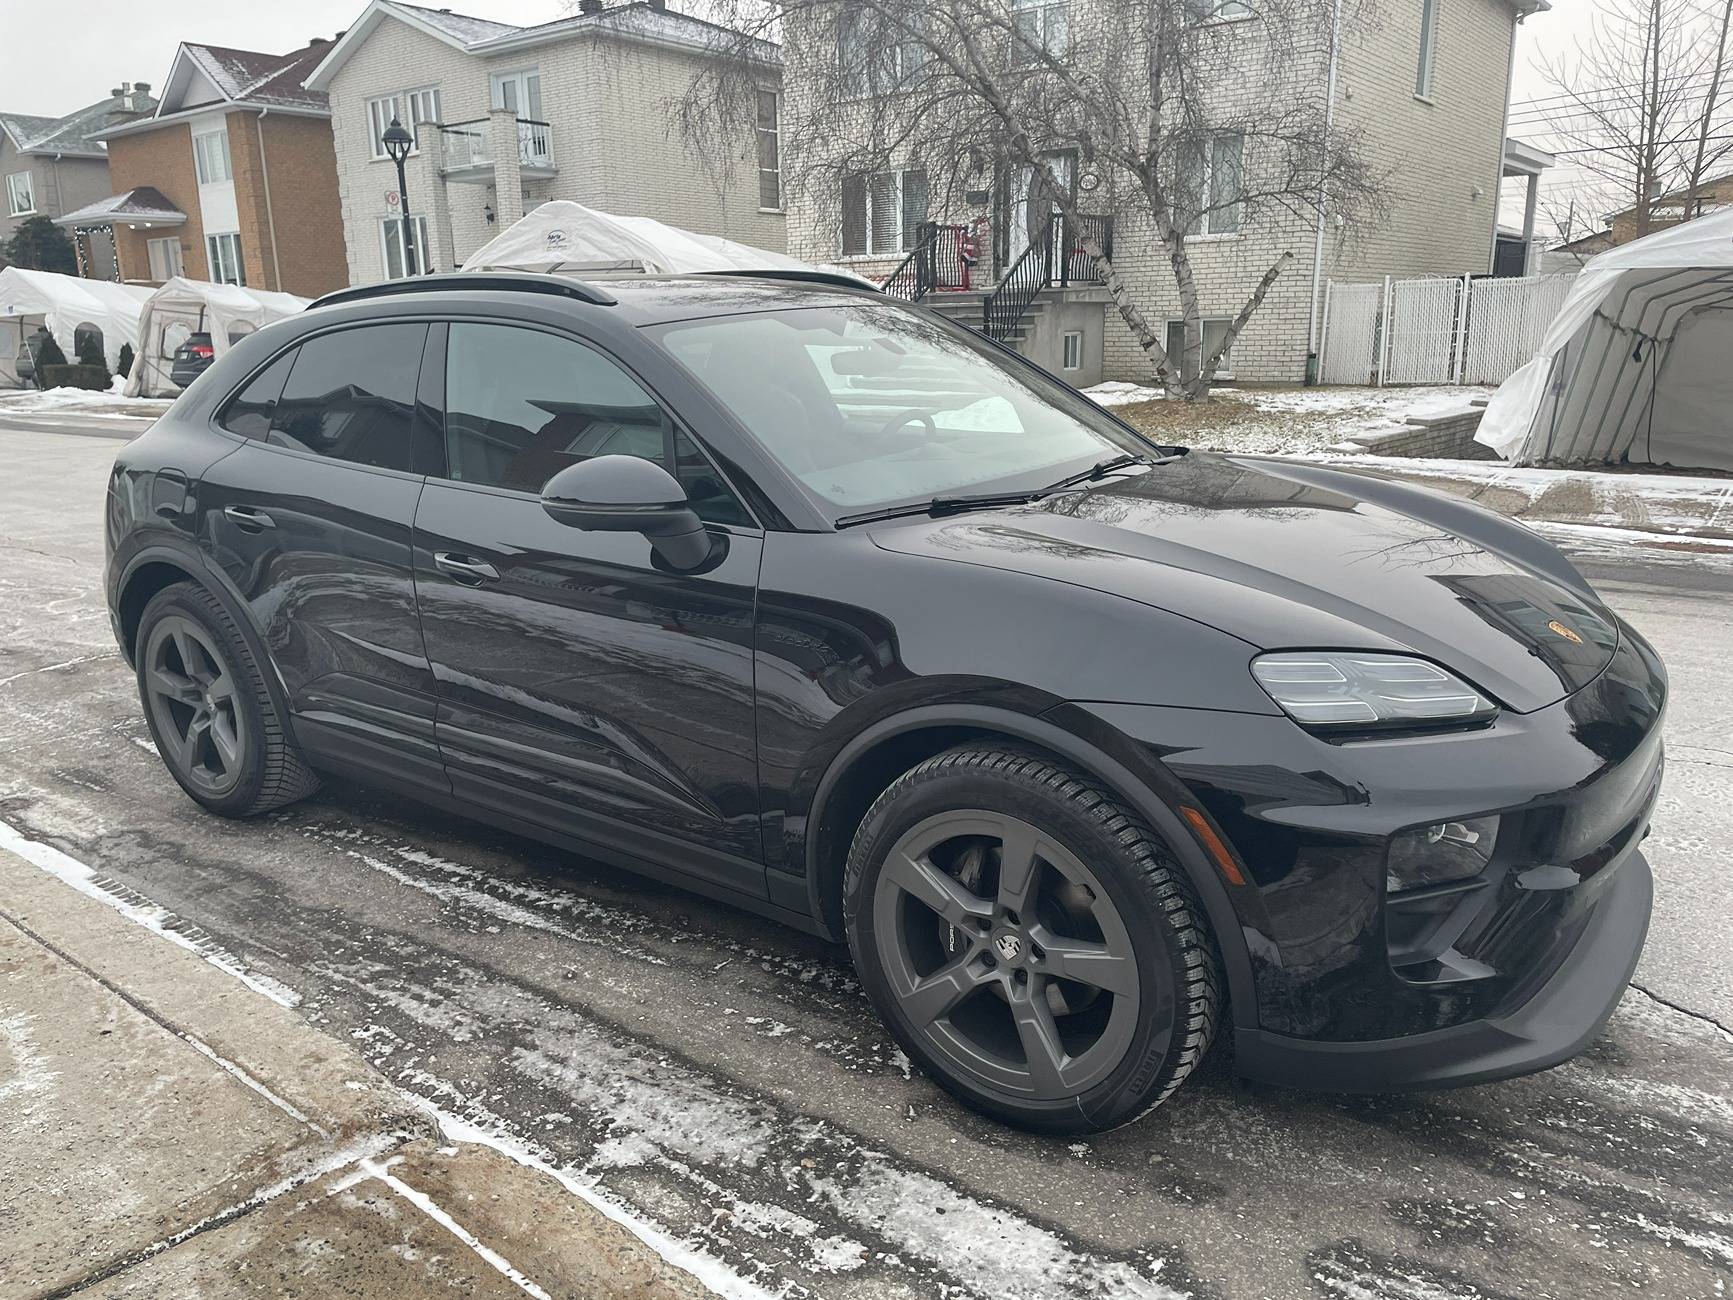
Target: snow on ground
x,y
106,404
1293,421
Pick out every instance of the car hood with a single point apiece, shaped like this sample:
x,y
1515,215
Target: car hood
x,y
1305,558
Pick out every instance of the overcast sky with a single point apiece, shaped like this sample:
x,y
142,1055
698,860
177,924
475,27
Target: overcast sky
x,y
49,66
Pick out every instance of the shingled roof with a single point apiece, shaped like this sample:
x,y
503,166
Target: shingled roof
x,y
77,132
250,77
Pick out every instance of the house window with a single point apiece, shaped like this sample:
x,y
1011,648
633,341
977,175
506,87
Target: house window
x,y
871,63
224,252
165,257
410,109
1042,28
1428,48
769,152
423,107
211,155
880,212
1215,329
1071,350
20,193
391,246
1213,174
1212,11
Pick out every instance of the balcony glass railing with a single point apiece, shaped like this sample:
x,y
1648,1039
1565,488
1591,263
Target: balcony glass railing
x,y
468,145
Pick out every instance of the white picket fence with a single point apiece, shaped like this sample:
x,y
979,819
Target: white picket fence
x,y
1468,330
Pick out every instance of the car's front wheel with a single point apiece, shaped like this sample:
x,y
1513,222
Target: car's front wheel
x,y
1030,941
214,723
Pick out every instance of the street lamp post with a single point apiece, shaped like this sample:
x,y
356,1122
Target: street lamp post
x,y
398,143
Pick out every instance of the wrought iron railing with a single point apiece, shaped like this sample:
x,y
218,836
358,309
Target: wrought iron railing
x,y
940,259
467,144
1057,255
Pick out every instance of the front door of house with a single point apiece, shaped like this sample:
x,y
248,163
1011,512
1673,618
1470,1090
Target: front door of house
x,y
1032,199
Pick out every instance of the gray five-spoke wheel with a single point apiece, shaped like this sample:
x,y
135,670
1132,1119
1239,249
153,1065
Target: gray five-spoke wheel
x,y
1005,953
193,701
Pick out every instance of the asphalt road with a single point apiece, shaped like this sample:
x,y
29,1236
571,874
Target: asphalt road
x,y
726,1078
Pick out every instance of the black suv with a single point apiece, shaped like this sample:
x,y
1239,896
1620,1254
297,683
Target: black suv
x,y
1092,750
191,359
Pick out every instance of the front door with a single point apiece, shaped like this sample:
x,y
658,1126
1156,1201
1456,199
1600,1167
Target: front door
x,y
1033,202
582,686
311,521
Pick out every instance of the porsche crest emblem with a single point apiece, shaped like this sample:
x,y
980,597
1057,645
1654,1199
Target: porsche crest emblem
x,y
1569,634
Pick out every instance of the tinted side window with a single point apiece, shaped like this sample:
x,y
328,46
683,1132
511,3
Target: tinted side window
x,y
249,412
521,405
351,395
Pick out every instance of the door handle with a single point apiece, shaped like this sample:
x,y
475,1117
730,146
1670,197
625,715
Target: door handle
x,y
464,569
248,519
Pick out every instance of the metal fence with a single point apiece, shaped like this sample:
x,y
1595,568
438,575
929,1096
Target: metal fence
x,y
1470,330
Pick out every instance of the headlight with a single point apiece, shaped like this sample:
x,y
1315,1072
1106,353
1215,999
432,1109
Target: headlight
x,y
1438,854
1344,689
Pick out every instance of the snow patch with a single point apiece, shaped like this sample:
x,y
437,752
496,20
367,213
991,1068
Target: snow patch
x,y
30,1072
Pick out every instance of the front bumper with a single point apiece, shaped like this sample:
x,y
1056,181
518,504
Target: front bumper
x,y
1350,986
1551,1026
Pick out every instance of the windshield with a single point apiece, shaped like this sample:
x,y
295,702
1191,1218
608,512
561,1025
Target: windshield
x,y
871,405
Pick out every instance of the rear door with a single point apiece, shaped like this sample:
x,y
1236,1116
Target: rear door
x,y
583,686
311,520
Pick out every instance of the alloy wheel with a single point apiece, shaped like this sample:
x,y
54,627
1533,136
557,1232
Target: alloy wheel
x,y
193,701
1006,954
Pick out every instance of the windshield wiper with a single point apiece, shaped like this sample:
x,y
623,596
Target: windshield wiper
x,y
938,507
1098,470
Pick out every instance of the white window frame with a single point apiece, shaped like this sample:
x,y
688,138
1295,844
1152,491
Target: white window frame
x,y
1052,24
1071,350
1428,61
410,107
1220,11
866,72
870,252
27,190
202,163
391,245
222,249
1214,222
164,266
772,133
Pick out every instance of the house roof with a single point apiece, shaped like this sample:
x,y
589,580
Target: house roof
x,y
203,78
78,133
639,20
145,205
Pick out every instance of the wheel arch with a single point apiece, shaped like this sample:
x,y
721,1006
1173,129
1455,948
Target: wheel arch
x,y
878,754
158,567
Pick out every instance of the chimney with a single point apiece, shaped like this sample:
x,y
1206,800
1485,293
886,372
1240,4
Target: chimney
x,y
589,6
660,6
129,102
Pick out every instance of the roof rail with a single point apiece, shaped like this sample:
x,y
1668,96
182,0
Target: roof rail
x,y
515,282
832,279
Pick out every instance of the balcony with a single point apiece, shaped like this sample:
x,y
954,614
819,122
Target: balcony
x,y
467,155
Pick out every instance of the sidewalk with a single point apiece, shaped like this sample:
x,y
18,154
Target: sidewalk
x,y
173,1131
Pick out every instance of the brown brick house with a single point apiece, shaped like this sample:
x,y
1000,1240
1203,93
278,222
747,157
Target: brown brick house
x,y
232,178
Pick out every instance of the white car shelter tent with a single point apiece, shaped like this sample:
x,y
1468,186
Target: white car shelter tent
x,y
227,312
67,307
565,237
1637,367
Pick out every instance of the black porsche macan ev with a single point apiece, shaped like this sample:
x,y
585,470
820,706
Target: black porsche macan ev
x,y
1093,751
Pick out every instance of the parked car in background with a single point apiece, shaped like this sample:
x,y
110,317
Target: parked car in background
x,y
191,359
1093,751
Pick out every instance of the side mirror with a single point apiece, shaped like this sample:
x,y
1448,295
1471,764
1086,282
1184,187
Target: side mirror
x,y
628,494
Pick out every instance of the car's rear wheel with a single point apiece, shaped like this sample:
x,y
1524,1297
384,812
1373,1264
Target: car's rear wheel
x,y
1030,942
212,718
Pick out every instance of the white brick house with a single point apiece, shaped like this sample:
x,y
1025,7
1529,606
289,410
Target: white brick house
x,y
1426,81
506,118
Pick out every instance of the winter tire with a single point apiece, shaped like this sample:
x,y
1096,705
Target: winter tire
x,y
213,720
1030,941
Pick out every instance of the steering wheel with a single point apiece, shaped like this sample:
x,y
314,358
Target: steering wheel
x,y
902,419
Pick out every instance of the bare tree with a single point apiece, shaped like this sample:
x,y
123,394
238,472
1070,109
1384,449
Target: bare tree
x,y
1640,103
1162,107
